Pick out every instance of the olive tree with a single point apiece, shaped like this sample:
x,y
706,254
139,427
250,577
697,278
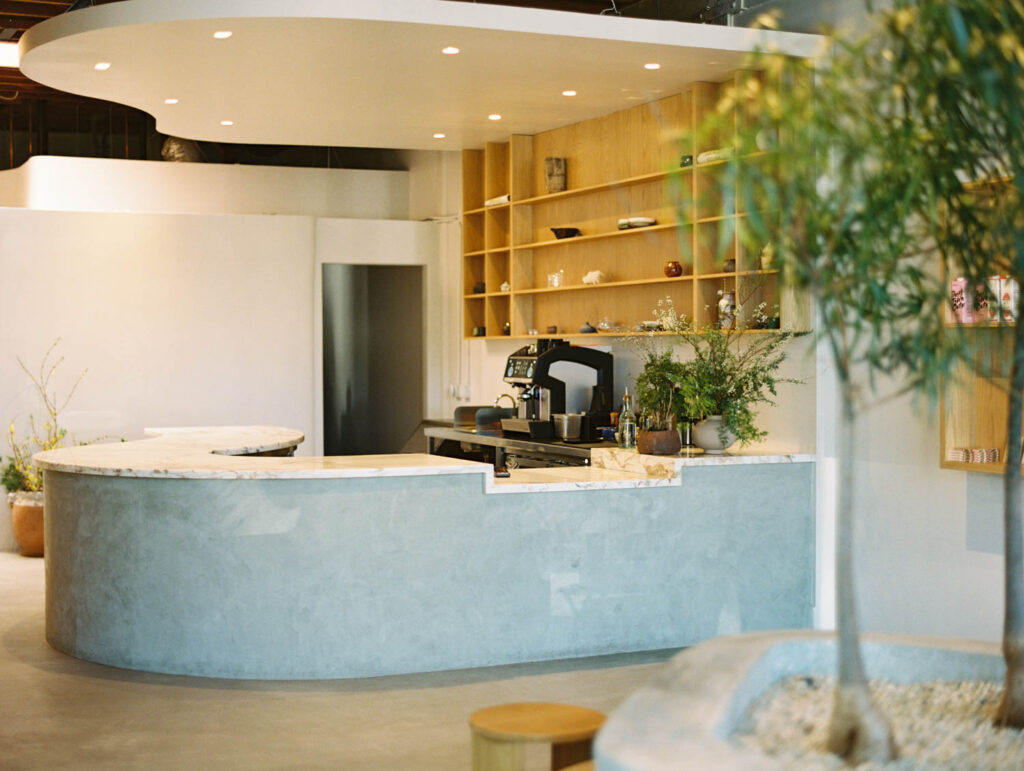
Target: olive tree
x,y
962,63
832,184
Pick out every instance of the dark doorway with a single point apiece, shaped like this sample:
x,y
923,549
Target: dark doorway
x,y
373,357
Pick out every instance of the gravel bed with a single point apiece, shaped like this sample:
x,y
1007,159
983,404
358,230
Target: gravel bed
x,y
938,726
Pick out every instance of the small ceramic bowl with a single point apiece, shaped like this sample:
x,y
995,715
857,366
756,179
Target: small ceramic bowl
x,y
565,232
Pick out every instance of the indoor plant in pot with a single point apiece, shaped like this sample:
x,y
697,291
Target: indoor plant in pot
x,y
729,375
21,478
659,403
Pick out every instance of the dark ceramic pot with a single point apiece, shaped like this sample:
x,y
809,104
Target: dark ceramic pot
x,y
658,442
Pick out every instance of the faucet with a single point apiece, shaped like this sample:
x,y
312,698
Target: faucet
x,y
509,396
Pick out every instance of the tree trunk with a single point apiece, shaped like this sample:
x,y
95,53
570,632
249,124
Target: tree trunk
x,y
858,732
1011,709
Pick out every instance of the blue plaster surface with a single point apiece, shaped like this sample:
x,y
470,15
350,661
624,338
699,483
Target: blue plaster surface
x,y
360,577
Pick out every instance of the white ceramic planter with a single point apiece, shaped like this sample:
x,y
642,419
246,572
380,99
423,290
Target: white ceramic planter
x,y
707,436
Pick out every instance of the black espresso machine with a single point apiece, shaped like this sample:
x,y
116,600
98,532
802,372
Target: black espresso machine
x,y
541,395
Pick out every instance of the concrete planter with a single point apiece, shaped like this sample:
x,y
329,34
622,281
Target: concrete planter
x,y
682,719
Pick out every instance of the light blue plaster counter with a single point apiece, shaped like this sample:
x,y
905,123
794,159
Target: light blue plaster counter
x,y
374,575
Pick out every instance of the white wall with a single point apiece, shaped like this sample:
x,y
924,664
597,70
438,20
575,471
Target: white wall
x,y
929,540
100,184
181,319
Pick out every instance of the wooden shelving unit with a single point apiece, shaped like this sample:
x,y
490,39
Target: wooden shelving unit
x,y
974,406
626,164
974,402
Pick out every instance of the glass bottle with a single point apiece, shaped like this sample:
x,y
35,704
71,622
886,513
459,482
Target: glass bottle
x,y
627,423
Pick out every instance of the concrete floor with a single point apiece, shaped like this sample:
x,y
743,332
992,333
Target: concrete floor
x,y
57,712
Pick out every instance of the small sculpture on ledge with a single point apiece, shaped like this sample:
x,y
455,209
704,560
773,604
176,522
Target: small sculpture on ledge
x,y
594,277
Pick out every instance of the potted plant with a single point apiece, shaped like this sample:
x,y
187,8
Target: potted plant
x,y
729,375
21,478
659,403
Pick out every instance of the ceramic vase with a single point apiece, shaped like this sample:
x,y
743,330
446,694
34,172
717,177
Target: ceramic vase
x,y
658,442
707,436
727,310
27,522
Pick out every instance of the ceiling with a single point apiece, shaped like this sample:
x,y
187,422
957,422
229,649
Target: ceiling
x,y
351,73
17,16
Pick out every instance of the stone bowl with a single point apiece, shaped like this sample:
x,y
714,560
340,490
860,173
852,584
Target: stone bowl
x,y
682,719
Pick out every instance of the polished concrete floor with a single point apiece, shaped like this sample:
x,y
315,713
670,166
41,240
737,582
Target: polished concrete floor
x,y
57,712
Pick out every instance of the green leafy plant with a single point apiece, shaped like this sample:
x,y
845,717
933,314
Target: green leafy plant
x,y
730,373
658,397
20,473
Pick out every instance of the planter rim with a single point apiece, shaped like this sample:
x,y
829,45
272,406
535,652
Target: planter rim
x,y
25,498
683,717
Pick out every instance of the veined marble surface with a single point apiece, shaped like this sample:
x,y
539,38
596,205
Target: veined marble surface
x,y
221,453
571,478
614,459
228,453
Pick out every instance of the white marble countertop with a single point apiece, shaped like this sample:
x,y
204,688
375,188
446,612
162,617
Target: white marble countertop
x,y
220,453
228,453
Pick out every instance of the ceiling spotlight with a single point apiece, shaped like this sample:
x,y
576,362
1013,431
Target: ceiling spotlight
x,y
170,101
652,66
494,116
450,50
101,66
227,123
439,136
568,93
222,34
9,55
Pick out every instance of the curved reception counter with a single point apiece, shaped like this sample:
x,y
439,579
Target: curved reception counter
x,y
203,552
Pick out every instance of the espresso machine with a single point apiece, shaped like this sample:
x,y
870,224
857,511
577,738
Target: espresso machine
x,y
540,395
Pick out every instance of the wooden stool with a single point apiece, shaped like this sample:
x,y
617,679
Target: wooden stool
x,y
500,732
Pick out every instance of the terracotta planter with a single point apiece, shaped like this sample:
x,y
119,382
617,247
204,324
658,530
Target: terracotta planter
x,y
658,442
706,436
27,521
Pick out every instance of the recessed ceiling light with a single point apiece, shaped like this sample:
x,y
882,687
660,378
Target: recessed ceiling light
x,y
568,93
439,136
450,50
652,66
9,55
494,116
101,66
222,34
227,123
170,101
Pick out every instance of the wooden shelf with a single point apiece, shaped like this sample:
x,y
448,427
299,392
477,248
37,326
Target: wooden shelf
x,y
641,179
597,236
482,209
622,164
984,468
604,285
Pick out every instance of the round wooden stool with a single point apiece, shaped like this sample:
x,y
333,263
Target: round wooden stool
x,y
500,732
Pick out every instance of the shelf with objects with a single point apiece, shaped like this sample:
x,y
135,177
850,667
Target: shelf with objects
x,y
974,400
587,227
